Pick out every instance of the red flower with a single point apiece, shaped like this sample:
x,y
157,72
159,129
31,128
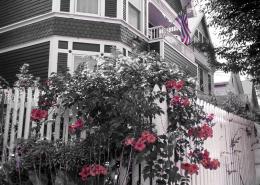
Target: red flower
x,y
38,114
175,100
72,129
179,85
170,84
139,145
191,132
79,124
205,132
92,170
214,164
148,137
190,168
129,141
85,172
185,102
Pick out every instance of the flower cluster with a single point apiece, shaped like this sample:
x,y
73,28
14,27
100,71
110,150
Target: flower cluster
x,y
92,170
203,132
79,124
140,143
205,160
172,84
38,114
190,168
177,100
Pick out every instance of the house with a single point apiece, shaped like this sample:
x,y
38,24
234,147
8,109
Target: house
x,y
53,35
228,87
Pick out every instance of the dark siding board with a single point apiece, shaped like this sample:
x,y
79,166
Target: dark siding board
x,y
17,10
37,56
62,63
175,4
86,46
65,5
63,44
124,10
63,27
111,8
171,55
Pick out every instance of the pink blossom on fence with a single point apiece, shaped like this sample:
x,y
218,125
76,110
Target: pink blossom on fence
x,y
79,124
139,145
38,114
190,168
172,84
92,170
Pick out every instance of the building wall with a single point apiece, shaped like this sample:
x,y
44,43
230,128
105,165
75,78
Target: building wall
x,y
171,55
12,11
37,56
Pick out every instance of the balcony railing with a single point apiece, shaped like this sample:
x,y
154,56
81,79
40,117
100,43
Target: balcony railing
x,y
159,32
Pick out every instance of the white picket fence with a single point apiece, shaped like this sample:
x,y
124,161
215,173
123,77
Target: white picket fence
x,y
237,162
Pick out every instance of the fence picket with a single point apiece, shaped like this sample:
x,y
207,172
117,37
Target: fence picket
x,y
7,122
21,113
14,119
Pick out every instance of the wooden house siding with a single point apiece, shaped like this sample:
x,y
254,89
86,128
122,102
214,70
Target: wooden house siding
x,y
37,56
111,8
71,28
171,55
12,11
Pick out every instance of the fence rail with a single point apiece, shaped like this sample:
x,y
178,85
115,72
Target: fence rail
x,y
232,143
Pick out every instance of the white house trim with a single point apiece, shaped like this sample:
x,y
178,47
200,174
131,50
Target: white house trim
x,y
56,5
53,56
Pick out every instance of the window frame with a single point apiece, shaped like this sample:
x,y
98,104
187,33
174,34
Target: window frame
x,y
139,28
85,13
201,79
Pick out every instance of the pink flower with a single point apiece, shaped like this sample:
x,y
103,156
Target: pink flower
x,y
148,137
85,172
185,102
205,132
38,114
190,168
214,164
170,84
79,124
129,141
175,100
179,85
139,145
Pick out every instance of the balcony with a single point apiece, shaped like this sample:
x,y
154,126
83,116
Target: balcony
x,y
161,33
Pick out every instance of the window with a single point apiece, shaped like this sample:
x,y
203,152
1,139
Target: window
x,y
201,79
200,37
87,6
89,61
209,84
133,16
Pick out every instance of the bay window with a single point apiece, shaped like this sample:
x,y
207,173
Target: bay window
x,y
89,61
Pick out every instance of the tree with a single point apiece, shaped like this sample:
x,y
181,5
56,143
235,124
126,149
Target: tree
x,y
239,25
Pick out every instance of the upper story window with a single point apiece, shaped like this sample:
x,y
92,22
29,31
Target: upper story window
x,y
88,6
134,16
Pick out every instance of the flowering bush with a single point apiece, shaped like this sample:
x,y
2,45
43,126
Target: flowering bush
x,y
115,105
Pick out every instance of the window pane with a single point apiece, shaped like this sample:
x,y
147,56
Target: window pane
x,y
87,6
90,61
201,79
134,16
